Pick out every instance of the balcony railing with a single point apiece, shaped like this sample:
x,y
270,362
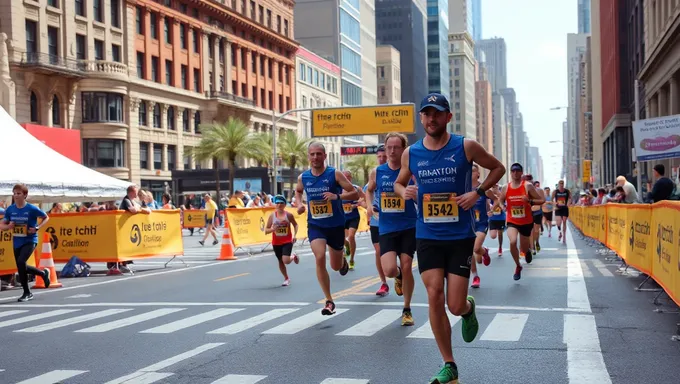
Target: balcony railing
x,y
52,63
231,97
105,67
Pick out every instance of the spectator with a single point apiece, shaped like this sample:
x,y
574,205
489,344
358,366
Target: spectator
x,y
663,187
236,200
630,193
601,197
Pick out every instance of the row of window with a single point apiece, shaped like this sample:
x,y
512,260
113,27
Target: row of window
x,y
53,38
108,153
169,118
313,76
97,11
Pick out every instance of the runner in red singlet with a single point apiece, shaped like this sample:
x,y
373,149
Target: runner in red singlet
x,y
279,225
519,196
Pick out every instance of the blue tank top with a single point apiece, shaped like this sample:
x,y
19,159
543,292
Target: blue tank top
x,y
480,210
497,215
548,200
374,220
440,176
397,214
320,212
350,214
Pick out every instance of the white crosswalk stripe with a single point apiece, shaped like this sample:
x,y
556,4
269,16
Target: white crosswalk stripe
x,y
52,377
193,320
39,316
12,313
73,320
344,381
425,330
130,320
253,321
240,379
505,327
373,324
303,322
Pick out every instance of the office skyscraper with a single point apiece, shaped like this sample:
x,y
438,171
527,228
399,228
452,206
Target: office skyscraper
x,y
476,20
437,46
583,16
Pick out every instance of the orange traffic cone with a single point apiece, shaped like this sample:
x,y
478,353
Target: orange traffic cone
x,y
227,250
46,261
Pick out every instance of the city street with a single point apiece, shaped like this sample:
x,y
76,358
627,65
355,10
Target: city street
x,y
574,317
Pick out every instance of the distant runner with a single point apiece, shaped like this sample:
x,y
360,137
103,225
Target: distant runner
x,y
497,220
374,221
279,225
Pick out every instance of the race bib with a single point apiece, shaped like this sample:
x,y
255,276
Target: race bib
x,y
440,208
20,230
517,212
281,231
347,208
476,214
390,202
561,201
497,211
320,209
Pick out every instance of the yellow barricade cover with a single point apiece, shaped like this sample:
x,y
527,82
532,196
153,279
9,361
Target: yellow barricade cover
x,y
141,235
666,247
194,218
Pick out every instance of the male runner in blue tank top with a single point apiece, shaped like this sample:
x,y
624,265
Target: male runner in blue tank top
x,y
397,223
374,222
445,232
352,218
325,221
497,220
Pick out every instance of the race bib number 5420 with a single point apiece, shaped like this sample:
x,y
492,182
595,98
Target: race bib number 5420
x,y
440,208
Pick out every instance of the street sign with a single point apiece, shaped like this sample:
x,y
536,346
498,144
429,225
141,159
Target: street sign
x,y
359,150
363,120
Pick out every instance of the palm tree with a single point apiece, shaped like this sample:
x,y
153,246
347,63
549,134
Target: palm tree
x,y
228,141
293,151
361,165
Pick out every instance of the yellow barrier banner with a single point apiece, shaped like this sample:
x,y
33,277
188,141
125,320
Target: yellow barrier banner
x,y
142,235
666,263
617,229
246,226
576,217
194,218
592,218
90,236
602,233
7,264
639,237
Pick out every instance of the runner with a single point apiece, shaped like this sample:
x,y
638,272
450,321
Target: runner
x,y
538,219
210,219
352,218
325,220
497,220
520,195
445,237
278,225
397,223
481,228
562,199
548,210
374,221
22,219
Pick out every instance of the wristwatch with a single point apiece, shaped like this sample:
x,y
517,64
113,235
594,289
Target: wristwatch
x,y
481,191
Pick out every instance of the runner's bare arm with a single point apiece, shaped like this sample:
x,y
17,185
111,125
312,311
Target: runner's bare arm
x,y
270,221
478,154
534,196
404,175
294,223
350,192
298,195
370,190
501,198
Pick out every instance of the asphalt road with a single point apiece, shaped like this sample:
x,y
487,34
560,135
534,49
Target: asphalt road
x,y
572,318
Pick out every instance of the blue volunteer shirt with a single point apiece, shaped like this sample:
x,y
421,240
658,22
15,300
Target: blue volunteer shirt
x,y
23,219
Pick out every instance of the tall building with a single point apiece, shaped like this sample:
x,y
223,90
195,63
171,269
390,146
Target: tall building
x,y
476,20
484,111
461,18
521,135
596,91
138,78
500,142
389,75
585,128
437,47
583,16
532,163
368,54
462,61
515,143
318,86
496,61
402,24
576,48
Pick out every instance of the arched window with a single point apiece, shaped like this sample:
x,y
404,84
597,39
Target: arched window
x,y
35,112
56,111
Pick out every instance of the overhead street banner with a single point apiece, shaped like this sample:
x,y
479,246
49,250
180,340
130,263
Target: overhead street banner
x,y
657,138
364,120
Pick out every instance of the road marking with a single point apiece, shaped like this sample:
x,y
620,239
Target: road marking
x,y
53,377
239,379
486,307
162,304
361,280
38,316
601,268
10,313
192,320
254,321
425,330
232,276
373,324
584,357
365,253
577,293
79,296
72,320
130,320
505,327
152,263
141,378
344,381
303,322
586,270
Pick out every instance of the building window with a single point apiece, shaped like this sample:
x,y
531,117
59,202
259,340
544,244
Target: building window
x,y
154,68
260,14
187,158
351,61
285,28
80,7
139,20
140,65
153,20
183,73
302,71
304,101
278,23
35,110
98,10
156,115
197,78
168,72
144,155
115,53
102,107
185,120
100,153
172,157
270,69
115,13
170,118
182,36
53,43
56,108
269,18
166,30
252,9
381,72
98,49
80,47
197,121
142,114
31,37
349,26
158,156
196,41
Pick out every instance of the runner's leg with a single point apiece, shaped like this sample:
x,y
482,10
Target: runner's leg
x,y
408,283
513,233
351,237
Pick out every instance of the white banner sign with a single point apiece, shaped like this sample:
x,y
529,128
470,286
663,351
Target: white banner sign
x,y
657,138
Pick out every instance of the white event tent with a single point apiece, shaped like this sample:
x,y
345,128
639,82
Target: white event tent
x,y
50,176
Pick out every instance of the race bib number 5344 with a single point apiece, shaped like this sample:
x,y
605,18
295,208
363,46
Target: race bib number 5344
x,y
440,208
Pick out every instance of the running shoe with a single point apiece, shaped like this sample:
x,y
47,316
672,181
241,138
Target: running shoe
x,y
347,249
384,290
296,259
344,268
518,273
529,256
329,309
286,283
397,284
407,318
500,251
46,277
447,375
470,324
351,265
475,282
25,297
485,257
538,247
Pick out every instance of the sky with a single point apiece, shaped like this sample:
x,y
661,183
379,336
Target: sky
x,y
535,33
